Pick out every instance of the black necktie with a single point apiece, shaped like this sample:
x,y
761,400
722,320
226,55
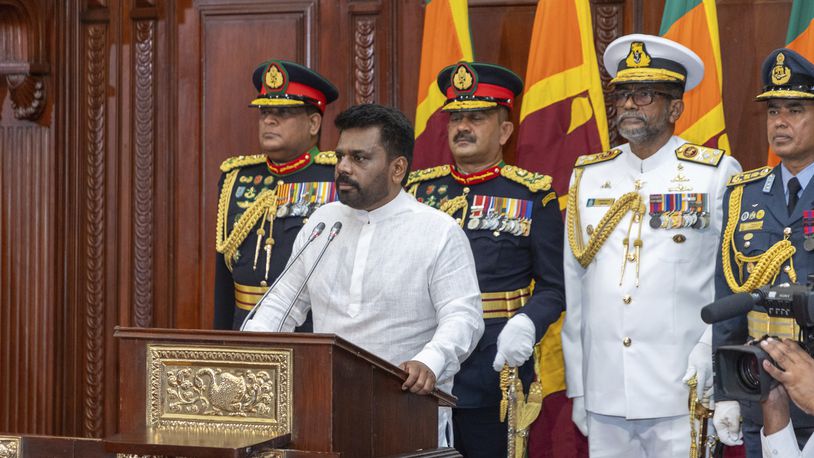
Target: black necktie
x,y
794,188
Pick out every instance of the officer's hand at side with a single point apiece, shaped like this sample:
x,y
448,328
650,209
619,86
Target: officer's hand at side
x,y
579,415
699,364
515,344
420,379
727,421
797,375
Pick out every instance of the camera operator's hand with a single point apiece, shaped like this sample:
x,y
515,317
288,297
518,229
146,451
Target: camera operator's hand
x,y
579,415
775,410
797,375
727,422
699,363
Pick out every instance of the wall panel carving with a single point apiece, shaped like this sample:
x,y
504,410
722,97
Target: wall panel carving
x,y
364,59
95,122
143,245
608,18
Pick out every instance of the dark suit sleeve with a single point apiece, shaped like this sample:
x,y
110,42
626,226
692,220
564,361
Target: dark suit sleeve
x,y
547,301
735,330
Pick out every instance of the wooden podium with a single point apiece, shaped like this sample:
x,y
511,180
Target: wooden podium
x,y
199,393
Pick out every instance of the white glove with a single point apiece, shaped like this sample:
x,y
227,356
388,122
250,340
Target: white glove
x,y
515,344
579,415
700,363
727,422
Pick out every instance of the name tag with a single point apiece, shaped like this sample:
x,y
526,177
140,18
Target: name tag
x,y
593,202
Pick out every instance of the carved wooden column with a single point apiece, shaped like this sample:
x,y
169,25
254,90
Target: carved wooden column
x,y
92,255
23,62
144,16
608,20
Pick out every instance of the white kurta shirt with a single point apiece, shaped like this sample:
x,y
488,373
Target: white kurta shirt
x,y
398,281
626,346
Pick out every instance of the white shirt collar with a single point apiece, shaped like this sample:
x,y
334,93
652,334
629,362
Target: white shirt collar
x,y
399,204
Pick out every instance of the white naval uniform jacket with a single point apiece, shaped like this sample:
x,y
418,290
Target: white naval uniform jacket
x,y
626,347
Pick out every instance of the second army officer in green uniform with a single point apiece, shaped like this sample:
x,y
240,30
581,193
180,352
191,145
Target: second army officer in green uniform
x,y
266,198
513,222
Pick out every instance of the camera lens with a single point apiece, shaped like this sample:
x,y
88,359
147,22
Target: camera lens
x,y
749,371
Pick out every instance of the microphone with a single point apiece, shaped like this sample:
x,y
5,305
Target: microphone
x,y
331,236
731,306
314,234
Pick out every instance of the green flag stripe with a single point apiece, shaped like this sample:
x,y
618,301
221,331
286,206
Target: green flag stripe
x,y
802,12
673,10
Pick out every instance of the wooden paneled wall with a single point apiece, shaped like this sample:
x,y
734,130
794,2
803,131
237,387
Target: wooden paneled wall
x,y
114,117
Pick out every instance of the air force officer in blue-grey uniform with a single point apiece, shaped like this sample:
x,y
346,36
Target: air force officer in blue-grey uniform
x,y
768,234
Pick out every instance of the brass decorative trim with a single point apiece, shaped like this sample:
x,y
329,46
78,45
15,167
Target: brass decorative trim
x,y
10,447
219,389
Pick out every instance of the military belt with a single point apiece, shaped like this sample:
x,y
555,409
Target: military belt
x,y
504,304
246,296
761,324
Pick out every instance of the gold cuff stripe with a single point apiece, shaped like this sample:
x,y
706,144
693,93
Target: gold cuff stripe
x,y
504,304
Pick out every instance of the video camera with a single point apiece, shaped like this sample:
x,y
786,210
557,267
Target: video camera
x,y
739,372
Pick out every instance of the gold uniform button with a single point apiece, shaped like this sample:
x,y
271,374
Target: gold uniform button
x,y
627,299
305,221
496,233
679,238
787,268
589,230
627,342
747,244
787,231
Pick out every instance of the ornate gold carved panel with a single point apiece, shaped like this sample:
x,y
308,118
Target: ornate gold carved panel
x,y
232,389
10,447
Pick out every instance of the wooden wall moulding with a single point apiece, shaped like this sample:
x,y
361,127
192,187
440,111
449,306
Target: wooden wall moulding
x,y
23,60
364,59
144,171
608,21
95,128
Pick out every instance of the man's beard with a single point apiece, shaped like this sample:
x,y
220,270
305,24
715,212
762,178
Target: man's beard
x,y
650,129
359,198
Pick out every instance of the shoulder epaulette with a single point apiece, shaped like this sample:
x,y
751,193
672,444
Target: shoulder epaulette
x,y
325,158
749,175
596,158
241,161
431,173
534,181
699,154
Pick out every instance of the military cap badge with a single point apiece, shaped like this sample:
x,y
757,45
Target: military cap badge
x,y
638,56
781,74
464,79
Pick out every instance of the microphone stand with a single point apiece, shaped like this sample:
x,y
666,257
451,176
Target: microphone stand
x,y
331,236
314,234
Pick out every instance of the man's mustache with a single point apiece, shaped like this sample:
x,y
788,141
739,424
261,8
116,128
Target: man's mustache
x,y
344,179
464,136
629,115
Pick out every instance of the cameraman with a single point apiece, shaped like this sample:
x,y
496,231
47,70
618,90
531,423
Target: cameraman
x,y
796,382
766,238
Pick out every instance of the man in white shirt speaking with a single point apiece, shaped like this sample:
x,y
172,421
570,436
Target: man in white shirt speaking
x,y
400,279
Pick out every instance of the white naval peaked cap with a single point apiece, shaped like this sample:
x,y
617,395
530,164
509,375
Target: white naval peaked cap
x,y
640,58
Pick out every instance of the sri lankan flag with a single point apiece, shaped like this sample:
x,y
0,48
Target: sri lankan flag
x,y
562,117
563,111
446,40
694,24
800,38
